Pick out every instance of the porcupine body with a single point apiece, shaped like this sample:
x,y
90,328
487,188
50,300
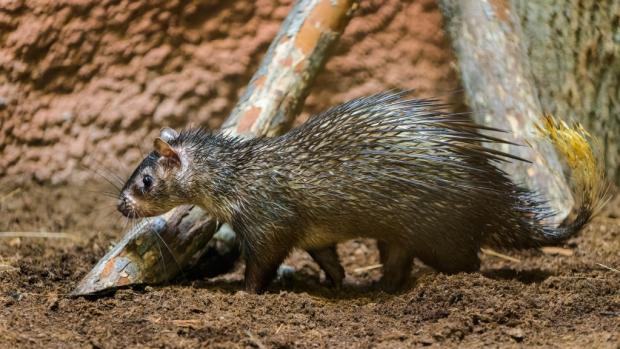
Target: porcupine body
x,y
397,170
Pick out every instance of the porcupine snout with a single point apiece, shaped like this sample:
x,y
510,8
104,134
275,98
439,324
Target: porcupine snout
x,y
126,206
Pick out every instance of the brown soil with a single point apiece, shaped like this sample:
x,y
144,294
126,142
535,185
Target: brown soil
x,y
543,300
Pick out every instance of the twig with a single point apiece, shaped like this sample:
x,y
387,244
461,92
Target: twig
x,y
38,234
255,340
6,267
579,278
557,251
279,328
490,252
13,192
608,267
367,268
187,322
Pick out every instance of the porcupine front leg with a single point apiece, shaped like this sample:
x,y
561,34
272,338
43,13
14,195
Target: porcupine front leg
x,y
327,259
261,267
263,255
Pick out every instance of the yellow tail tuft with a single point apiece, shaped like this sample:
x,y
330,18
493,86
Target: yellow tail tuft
x,y
574,144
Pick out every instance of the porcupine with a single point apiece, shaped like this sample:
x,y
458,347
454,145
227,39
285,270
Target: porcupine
x,y
398,170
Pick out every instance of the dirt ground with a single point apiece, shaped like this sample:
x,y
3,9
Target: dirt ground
x,y
542,300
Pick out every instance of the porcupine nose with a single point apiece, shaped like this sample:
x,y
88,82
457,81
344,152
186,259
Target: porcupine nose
x,y
122,206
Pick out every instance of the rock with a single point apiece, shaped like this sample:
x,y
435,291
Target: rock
x,y
516,334
52,302
286,272
426,340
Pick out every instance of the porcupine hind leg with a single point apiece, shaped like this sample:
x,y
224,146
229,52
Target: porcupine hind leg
x,y
451,258
397,262
327,259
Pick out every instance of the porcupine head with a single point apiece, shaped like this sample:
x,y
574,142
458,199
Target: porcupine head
x,y
164,179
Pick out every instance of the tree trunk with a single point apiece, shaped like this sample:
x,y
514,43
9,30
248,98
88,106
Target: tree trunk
x,y
500,89
574,52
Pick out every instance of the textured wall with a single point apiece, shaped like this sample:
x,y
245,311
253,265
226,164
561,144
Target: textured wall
x,y
83,83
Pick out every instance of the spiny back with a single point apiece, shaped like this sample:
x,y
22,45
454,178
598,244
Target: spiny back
x,y
385,136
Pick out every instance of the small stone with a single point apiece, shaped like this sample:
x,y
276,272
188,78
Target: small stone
x,y
52,302
15,242
516,334
67,116
16,295
426,340
286,272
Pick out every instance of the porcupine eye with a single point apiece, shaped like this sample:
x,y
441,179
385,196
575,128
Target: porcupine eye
x,y
147,181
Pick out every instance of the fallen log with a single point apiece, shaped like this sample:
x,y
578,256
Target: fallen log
x,y
159,249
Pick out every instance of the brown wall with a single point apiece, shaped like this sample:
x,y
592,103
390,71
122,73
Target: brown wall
x,y
83,83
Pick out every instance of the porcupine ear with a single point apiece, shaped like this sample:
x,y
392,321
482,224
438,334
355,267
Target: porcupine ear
x,y
168,134
164,149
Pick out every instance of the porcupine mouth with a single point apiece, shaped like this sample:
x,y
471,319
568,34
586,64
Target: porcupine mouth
x,y
126,206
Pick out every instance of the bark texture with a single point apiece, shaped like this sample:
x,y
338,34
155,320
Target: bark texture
x,y
268,107
495,70
574,52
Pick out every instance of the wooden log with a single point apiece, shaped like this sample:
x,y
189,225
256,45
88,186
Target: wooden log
x,y
159,248
494,67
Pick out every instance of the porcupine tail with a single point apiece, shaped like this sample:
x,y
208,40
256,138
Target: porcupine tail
x,y
590,188
526,223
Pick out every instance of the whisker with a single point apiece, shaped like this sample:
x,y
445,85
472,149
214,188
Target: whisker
x,y
100,191
102,168
116,176
174,258
116,222
103,213
161,254
105,194
141,151
110,177
116,186
102,207
125,225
